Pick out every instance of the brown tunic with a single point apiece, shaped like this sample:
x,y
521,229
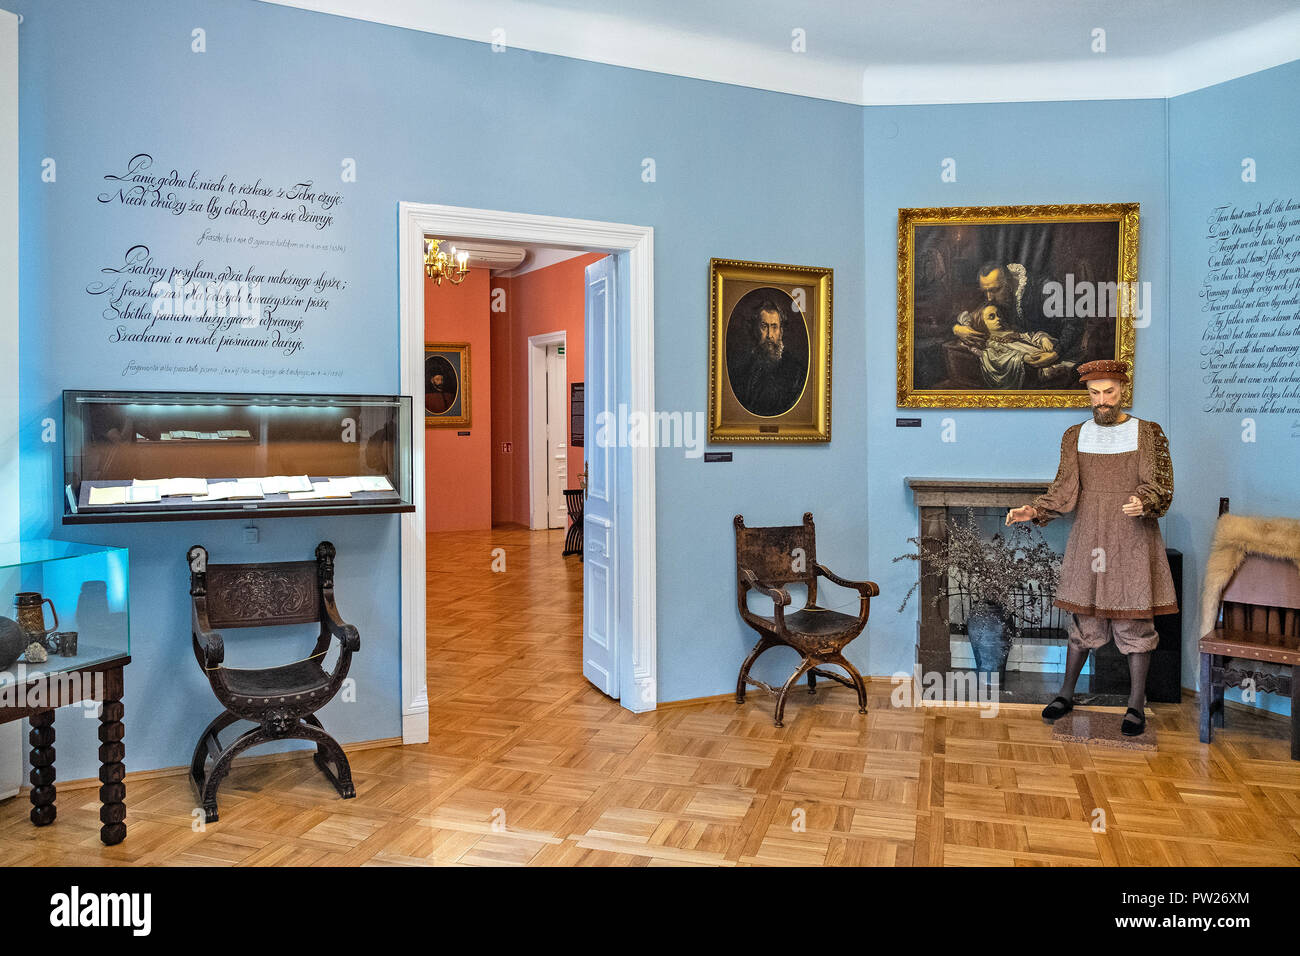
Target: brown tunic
x,y
1129,577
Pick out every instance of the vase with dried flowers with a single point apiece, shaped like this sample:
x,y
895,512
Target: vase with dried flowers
x,y
1004,581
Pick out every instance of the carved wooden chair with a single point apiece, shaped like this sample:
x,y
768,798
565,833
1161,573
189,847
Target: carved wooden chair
x,y
282,700
1260,621
768,559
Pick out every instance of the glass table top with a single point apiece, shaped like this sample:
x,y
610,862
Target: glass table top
x,y
41,550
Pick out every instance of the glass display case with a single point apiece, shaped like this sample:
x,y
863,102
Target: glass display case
x,y
71,599
151,456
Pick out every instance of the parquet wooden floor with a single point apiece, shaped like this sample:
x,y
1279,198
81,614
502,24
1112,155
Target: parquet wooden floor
x,y
528,765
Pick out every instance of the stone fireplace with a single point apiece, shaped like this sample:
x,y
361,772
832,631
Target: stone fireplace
x,y
1036,676
1034,671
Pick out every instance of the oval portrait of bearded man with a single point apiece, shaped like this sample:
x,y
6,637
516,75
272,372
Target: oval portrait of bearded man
x,y
767,352
440,385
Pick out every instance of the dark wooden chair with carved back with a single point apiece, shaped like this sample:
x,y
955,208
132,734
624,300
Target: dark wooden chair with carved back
x,y
1259,621
282,700
768,559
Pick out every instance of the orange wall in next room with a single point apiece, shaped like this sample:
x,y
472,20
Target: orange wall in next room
x,y
458,469
545,300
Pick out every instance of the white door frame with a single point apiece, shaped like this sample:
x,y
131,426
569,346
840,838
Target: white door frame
x,y
11,752
538,343
9,242
415,221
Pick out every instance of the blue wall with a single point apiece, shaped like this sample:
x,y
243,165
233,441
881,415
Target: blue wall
x,y
286,94
1019,153
1210,132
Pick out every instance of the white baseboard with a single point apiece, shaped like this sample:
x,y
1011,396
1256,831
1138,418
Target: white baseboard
x,y
415,727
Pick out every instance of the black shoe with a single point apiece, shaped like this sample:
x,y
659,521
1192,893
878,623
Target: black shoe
x,y
1130,728
1057,709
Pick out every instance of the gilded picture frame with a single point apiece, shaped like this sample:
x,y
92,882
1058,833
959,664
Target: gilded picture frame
x,y
998,305
769,352
447,385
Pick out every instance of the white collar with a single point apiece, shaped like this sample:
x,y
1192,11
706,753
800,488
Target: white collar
x,y
1097,439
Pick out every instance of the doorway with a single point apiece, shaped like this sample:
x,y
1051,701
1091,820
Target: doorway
x,y
627,329
548,430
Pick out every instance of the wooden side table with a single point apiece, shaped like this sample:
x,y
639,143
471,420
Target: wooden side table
x,y
36,698
574,499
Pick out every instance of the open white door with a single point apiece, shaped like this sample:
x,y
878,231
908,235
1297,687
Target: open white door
x,y
600,553
11,737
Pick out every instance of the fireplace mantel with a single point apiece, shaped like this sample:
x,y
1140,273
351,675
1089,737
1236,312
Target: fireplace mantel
x,y
975,492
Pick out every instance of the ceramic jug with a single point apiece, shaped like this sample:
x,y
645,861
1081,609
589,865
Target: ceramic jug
x,y
31,616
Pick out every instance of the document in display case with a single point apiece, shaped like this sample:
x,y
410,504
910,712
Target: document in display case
x,y
156,456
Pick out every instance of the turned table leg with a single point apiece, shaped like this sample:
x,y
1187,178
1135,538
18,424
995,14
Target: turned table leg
x,y
112,792
42,777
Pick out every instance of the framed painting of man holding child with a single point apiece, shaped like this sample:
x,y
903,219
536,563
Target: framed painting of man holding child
x,y
998,306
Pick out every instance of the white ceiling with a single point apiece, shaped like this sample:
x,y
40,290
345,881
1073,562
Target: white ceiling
x,y
879,52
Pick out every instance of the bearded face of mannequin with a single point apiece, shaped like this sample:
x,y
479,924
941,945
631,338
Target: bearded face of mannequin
x,y
1105,396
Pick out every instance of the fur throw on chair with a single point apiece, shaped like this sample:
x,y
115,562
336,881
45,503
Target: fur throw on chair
x,y
1235,536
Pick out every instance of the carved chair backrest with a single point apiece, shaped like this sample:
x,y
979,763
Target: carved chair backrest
x,y
1264,596
779,556
261,595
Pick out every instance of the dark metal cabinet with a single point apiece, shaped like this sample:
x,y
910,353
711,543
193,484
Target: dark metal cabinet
x,y
1165,678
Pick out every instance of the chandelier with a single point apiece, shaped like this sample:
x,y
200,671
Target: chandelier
x,y
438,265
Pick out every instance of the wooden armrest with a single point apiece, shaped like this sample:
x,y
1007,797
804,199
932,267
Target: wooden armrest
x,y
347,634
208,640
780,596
214,648
865,588
212,645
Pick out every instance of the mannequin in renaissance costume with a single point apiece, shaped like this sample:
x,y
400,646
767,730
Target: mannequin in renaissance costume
x,y
1115,473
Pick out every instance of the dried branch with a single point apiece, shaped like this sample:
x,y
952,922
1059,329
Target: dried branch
x,y
1015,570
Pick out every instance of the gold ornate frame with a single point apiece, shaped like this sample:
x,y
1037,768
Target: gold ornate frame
x,y
452,421
909,397
810,418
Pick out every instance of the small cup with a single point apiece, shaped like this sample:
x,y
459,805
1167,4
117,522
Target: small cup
x,y
67,643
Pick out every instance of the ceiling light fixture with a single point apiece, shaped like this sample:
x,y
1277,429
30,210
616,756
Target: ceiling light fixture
x,y
438,265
